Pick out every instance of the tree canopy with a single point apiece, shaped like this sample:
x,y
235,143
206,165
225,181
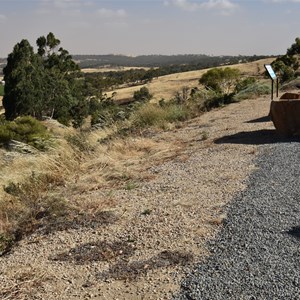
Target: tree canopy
x,y
221,80
287,65
43,84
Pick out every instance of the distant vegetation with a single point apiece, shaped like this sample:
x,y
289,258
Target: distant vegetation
x,y
185,62
287,66
160,65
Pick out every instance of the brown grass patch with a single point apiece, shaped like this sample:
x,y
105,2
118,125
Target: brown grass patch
x,y
27,282
166,86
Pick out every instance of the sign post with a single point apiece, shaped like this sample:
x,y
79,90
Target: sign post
x,y
273,77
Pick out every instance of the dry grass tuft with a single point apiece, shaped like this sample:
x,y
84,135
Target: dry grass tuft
x,y
28,281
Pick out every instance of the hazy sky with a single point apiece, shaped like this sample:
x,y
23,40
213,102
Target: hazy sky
x,y
133,27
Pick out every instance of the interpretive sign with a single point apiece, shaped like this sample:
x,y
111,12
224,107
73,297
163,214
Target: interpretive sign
x,y
273,78
270,72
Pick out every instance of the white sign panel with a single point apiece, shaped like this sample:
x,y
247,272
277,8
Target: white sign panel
x,y
270,71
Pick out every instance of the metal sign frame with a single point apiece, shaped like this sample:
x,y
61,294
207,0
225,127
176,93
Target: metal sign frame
x,y
273,77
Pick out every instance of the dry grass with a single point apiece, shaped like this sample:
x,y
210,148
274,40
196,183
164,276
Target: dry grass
x,y
62,182
123,162
28,280
166,86
28,193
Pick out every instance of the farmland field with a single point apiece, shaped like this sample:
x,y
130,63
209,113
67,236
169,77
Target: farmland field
x,y
166,86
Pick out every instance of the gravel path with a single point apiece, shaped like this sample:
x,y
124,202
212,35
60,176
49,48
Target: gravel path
x,y
141,244
257,254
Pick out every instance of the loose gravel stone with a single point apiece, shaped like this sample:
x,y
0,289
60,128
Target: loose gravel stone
x,y
257,254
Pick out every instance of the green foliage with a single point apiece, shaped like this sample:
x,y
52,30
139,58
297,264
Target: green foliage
x,y
252,91
45,83
1,90
176,113
27,130
21,78
285,71
142,95
287,65
105,112
149,115
244,83
166,64
158,116
295,48
220,80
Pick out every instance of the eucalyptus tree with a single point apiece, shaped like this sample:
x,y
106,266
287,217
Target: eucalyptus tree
x,y
47,83
24,80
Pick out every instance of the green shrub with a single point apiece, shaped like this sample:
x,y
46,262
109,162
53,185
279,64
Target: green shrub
x,y
27,130
149,115
220,80
1,89
252,91
142,95
156,115
244,83
175,113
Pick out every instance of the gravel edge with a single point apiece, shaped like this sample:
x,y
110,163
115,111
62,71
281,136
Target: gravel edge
x,y
256,254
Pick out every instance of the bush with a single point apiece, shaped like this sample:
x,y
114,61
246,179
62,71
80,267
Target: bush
x,y
175,113
149,115
155,115
25,129
245,83
252,91
105,112
142,95
220,80
1,89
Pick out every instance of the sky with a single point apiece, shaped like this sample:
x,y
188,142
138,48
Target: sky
x,y
142,27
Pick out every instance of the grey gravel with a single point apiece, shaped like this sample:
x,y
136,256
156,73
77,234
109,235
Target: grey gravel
x,y
257,253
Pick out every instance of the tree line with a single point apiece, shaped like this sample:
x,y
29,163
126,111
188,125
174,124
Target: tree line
x,y
155,61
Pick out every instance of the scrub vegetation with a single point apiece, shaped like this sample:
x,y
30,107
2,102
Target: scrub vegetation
x,y
68,118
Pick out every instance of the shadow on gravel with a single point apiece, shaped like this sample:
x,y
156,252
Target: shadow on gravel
x,y
260,120
118,253
102,218
96,251
124,270
259,137
295,231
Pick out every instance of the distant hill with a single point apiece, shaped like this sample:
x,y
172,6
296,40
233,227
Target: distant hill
x,y
199,60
